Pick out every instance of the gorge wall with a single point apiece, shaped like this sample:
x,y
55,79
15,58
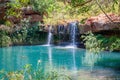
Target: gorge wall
x,y
94,24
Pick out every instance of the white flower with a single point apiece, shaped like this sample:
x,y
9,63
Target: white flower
x,y
39,61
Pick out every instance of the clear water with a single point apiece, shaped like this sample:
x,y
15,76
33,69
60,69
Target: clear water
x,y
14,58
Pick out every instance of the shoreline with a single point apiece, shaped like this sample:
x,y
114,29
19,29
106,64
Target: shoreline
x,y
78,46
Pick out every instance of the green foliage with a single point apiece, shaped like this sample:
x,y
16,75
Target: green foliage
x,y
74,9
24,2
14,8
41,5
90,7
109,43
23,33
20,35
8,23
115,43
5,41
4,38
92,43
27,34
74,2
29,73
33,35
97,43
59,12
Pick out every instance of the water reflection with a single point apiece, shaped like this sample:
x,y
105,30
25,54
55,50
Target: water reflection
x,y
74,60
14,58
50,55
90,59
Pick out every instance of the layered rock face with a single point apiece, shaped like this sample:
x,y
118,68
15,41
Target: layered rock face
x,y
100,22
94,24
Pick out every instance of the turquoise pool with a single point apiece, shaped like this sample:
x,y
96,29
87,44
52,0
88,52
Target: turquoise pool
x,y
14,58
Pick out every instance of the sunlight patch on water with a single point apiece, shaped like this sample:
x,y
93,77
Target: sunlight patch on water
x,y
71,46
47,45
66,47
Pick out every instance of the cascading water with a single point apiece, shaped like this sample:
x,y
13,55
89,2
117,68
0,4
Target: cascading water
x,y
72,31
49,39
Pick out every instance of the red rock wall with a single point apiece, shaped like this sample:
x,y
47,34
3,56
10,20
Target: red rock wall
x,y
27,12
2,8
100,22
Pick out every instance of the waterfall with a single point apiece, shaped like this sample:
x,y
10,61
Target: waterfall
x,y
61,31
49,39
72,31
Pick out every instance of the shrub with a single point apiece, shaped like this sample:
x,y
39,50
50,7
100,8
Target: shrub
x,y
41,5
92,44
5,40
29,73
97,43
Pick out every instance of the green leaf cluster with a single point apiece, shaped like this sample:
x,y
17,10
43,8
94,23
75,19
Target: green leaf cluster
x,y
5,39
21,34
41,5
29,73
98,43
14,8
92,43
